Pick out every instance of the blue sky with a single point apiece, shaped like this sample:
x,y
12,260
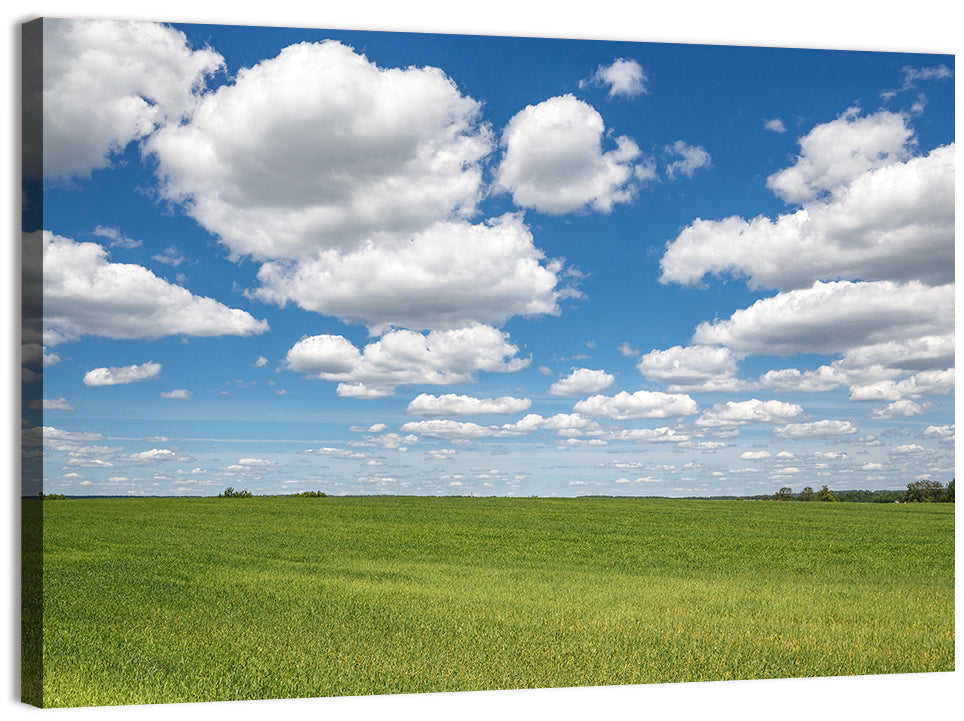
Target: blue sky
x,y
359,262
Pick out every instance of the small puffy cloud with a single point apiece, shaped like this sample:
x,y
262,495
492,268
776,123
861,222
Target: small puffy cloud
x,y
641,404
261,362
404,357
776,125
459,430
834,154
426,404
627,350
664,434
934,72
554,161
582,382
107,83
117,238
86,294
178,393
740,413
815,429
320,148
374,428
688,366
123,374
898,409
52,404
834,318
872,467
624,77
689,159
154,455
754,455
940,432
924,383
170,256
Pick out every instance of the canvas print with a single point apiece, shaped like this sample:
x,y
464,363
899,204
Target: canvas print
x,y
377,363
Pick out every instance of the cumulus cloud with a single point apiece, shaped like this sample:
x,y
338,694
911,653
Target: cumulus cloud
x,y
898,409
835,153
554,161
582,382
562,423
52,404
663,434
835,318
426,404
154,455
123,374
86,294
624,77
641,404
107,83
871,209
754,455
688,366
117,238
815,429
452,274
740,413
776,125
320,148
179,393
404,357
924,383
689,159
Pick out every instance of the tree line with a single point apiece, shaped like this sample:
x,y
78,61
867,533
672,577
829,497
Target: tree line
x,y
917,492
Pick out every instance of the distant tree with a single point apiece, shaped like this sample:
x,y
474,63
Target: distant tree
x,y
806,494
949,492
825,494
784,494
311,494
229,492
924,492
51,496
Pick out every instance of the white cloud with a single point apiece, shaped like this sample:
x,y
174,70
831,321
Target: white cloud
x,y
261,362
450,275
562,423
426,404
834,154
649,435
85,294
170,256
625,77
107,83
835,317
690,159
627,350
934,72
117,238
319,148
924,383
554,161
689,366
641,404
404,357
893,220
123,374
816,429
776,125
754,455
179,393
155,455
941,432
53,404
740,413
898,409
582,382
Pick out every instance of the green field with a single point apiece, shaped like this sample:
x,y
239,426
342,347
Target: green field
x,y
165,600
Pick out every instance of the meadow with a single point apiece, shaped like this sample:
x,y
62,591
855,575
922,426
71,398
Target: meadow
x,y
163,600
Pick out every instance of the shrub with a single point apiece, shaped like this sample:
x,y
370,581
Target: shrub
x,y
229,492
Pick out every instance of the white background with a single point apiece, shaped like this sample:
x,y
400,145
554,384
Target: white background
x,y
923,26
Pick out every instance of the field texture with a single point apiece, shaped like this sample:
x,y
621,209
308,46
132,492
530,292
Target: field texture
x,y
166,600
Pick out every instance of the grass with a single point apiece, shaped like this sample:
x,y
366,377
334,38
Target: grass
x,y
165,600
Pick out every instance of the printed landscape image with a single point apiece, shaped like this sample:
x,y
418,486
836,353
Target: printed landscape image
x,y
373,363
